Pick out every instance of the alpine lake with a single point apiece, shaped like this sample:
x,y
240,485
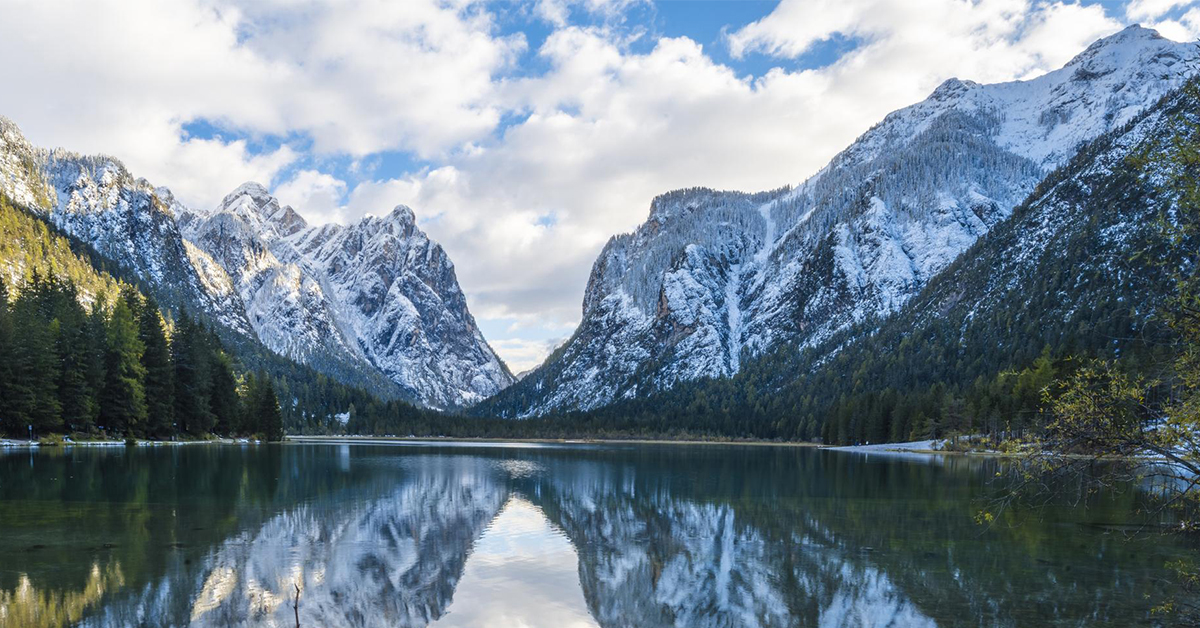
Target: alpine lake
x,y
412,534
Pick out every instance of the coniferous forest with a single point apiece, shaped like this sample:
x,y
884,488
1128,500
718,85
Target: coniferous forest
x,y
119,369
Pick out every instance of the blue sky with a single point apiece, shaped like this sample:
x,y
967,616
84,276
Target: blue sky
x,y
522,134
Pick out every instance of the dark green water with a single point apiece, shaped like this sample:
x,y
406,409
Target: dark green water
x,y
638,535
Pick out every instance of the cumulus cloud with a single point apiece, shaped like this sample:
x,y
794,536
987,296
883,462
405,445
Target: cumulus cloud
x,y
557,12
1177,19
1152,9
318,193
356,78
986,40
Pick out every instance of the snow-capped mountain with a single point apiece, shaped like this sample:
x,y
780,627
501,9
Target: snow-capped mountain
x,y
375,304
713,277
378,294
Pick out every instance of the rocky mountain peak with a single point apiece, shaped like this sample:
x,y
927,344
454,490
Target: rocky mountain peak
x,y
1124,42
400,222
1130,48
253,203
402,214
952,88
375,296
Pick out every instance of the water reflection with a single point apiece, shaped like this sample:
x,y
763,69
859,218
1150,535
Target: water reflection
x,y
623,536
522,572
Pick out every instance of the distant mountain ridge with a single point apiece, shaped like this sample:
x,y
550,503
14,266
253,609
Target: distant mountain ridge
x,y
715,277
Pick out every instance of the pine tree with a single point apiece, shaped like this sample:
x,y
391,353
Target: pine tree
x,y
33,387
156,360
123,398
262,408
224,400
96,346
9,422
75,392
192,378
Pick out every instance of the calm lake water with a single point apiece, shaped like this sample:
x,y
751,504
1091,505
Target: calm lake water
x,y
556,536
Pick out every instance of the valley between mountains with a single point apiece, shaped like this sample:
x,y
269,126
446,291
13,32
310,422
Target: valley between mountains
x,y
919,254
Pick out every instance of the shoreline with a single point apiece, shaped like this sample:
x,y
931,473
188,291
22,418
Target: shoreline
x,y
17,443
912,449
926,448
425,440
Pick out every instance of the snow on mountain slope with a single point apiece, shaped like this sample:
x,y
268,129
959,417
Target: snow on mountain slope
x,y
714,275
378,294
95,199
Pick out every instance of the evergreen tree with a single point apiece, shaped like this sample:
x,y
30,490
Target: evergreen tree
x,y
34,385
263,410
192,378
9,422
96,345
156,360
123,398
76,395
224,400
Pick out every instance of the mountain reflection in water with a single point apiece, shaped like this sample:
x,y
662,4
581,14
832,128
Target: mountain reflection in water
x,y
550,536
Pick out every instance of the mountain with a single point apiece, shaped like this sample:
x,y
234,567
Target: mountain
x,y
714,278
375,304
377,295
1079,270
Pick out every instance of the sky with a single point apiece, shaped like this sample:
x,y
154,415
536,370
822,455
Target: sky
x,y
522,134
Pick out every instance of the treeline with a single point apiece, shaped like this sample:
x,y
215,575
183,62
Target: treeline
x,y
114,370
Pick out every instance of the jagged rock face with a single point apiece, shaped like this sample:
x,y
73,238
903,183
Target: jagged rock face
x,y
714,276
377,294
95,199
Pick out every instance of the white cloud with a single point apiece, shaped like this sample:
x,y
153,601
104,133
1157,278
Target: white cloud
x,y
1157,14
319,195
522,355
125,76
557,12
1152,9
371,76
986,41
